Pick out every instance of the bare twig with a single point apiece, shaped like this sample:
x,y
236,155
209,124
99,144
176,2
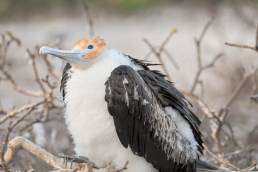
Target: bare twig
x,y
221,160
224,112
167,39
7,40
201,67
4,146
18,88
55,161
20,143
205,29
9,130
35,70
241,46
212,63
254,48
237,91
203,106
159,58
171,59
158,52
14,112
50,67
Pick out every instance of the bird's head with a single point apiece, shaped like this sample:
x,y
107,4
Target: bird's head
x,y
84,52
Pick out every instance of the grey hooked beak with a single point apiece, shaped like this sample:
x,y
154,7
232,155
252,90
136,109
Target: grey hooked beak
x,y
72,56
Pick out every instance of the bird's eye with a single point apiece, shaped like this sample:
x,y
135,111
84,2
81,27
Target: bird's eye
x,y
90,46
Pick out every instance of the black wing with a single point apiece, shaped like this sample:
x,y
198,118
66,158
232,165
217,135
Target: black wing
x,y
65,77
168,95
142,125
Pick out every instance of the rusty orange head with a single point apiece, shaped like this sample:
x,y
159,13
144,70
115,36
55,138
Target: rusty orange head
x,y
83,51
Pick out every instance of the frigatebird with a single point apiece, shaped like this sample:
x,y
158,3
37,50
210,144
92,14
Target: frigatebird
x,y
118,109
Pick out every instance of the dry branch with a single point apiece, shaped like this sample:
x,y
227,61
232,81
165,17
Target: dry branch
x,y
3,148
224,112
18,115
200,66
56,162
20,143
159,58
17,87
35,71
241,46
160,50
254,48
7,39
17,111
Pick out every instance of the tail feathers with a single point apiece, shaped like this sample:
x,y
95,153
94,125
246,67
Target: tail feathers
x,y
205,165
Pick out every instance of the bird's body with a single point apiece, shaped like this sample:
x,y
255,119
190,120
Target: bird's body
x,y
88,119
118,110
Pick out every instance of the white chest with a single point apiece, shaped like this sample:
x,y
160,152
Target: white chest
x,y
86,111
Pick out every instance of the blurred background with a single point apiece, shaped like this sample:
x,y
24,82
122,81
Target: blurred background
x,y
127,25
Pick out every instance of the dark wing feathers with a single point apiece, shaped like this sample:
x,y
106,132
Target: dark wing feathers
x,y
66,76
168,95
143,63
131,119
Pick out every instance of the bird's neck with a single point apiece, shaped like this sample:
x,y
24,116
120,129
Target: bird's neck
x,y
103,65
